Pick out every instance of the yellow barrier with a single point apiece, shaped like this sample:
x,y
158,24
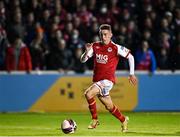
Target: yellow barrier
x,y
67,94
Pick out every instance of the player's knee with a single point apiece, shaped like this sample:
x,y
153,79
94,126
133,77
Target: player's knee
x,y
87,94
109,107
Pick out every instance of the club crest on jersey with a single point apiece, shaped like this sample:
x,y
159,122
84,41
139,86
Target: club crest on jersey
x,y
109,49
100,58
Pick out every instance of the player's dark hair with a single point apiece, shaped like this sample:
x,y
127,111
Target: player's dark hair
x,y
105,27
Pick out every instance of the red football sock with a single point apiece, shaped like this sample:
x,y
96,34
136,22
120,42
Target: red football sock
x,y
92,107
117,114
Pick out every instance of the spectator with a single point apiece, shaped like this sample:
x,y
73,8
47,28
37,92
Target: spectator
x,y
30,28
84,15
76,41
77,66
148,25
83,33
133,36
147,36
104,16
162,59
68,31
38,50
115,9
18,56
175,55
45,19
54,35
2,13
16,27
61,59
87,32
59,11
169,17
3,46
125,16
122,34
164,41
58,22
177,20
145,59
91,5
164,28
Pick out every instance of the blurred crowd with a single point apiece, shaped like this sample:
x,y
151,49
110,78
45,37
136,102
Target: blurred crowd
x,y
50,34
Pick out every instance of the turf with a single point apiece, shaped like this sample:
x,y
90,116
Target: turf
x,y
48,124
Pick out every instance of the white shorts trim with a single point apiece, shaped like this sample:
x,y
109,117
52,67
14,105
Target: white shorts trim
x,y
104,86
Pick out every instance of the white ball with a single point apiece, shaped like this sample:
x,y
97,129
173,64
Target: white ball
x,y
68,126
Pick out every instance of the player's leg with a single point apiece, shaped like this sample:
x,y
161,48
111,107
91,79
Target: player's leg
x,y
90,94
107,101
98,88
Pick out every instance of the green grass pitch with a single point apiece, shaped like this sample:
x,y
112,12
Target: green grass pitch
x,y
48,124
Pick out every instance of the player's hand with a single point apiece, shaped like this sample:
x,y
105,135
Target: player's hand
x,y
88,46
132,79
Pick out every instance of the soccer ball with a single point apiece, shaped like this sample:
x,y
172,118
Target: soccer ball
x,y
68,126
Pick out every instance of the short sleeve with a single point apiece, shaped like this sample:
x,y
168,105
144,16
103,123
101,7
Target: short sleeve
x,y
123,51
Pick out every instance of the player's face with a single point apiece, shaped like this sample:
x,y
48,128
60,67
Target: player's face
x,y
105,36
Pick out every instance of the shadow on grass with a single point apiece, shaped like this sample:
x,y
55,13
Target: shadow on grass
x,y
154,134
178,133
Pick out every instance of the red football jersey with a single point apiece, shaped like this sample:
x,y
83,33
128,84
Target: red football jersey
x,y
106,58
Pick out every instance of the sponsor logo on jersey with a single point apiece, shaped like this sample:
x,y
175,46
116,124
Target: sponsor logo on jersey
x,y
97,47
109,49
100,58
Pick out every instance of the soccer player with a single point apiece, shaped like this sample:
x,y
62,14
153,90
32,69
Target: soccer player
x,y
106,56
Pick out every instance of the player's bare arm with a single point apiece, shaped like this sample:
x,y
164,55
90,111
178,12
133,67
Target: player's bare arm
x,y
132,78
84,56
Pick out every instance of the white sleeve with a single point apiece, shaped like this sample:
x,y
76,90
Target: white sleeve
x,y
122,51
86,55
90,53
131,63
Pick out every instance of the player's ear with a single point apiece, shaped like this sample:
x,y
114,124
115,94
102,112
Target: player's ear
x,y
111,34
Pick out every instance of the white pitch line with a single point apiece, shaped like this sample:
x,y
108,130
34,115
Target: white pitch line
x,y
89,136
23,127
